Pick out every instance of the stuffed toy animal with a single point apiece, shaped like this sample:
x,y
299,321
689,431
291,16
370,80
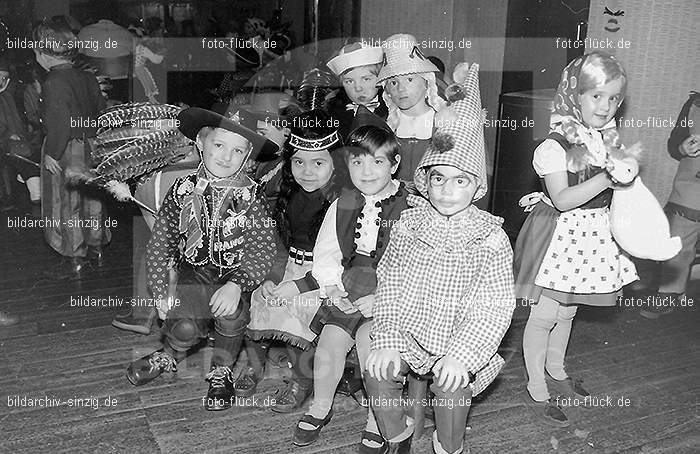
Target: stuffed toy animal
x,y
637,221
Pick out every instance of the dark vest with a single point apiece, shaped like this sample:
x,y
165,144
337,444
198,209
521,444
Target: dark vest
x,y
601,200
350,204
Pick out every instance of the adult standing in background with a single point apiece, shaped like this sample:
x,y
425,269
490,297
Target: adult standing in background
x,y
71,104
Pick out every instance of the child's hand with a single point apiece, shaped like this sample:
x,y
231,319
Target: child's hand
x,y
365,305
266,289
379,360
225,300
339,300
333,292
163,307
345,305
450,373
286,291
691,146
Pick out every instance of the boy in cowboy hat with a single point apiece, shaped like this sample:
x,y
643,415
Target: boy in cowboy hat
x,y
445,294
357,66
213,243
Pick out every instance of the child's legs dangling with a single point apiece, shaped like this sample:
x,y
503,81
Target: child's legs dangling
x,y
558,341
334,343
362,344
543,317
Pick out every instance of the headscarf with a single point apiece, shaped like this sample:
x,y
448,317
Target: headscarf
x,y
567,120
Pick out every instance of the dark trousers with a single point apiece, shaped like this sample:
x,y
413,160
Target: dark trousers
x,y
188,321
451,408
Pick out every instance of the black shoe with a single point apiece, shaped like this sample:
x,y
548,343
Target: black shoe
x,y
570,387
128,322
372,437
149,367
304,437
401,447
69,268
662,305
247,383
547,411
290,398
8,319
221,393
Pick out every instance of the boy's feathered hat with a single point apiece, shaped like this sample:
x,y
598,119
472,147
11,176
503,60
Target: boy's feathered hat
x,y
354,55
459,140
402,57
193,119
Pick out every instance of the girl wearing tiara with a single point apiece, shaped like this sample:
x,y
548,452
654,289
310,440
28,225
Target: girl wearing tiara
x,y
283,306
565,255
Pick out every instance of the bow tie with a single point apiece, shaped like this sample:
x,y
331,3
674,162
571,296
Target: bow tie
x,y
354,106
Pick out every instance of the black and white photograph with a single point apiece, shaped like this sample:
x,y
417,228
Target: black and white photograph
x,y
349,226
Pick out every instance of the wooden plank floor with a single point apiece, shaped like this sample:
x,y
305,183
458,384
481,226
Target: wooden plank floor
x,y
650,370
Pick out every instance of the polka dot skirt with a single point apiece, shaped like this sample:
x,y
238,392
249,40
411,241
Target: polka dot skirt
x,y
583,257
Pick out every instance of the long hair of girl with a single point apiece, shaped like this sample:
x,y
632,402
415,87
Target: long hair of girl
x,y
289,186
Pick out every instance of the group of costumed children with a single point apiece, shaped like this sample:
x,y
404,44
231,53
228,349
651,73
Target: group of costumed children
x,y
372,240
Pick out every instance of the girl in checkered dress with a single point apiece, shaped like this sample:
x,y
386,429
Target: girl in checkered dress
x,y
350,243
565,254
445,296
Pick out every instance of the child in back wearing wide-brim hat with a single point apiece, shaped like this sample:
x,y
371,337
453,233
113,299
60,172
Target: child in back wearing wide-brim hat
x,y
357,65
411,96
445,295
213,243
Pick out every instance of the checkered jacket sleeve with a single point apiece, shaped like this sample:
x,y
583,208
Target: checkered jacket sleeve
x,y
162,249
385,330
489,316
260,246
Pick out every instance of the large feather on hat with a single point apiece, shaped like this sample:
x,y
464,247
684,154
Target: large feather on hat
x,y
133,140
137,139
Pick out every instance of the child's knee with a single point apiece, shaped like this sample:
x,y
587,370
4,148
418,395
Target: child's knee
x,y
566,314
182,333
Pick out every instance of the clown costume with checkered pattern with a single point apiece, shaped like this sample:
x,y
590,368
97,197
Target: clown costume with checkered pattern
x,y
445,289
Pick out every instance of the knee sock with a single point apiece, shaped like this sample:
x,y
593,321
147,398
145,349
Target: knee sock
x,y
329,362
558,341
256,350
535,340
302,366
362,342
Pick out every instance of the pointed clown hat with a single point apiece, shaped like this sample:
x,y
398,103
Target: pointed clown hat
x,y
354,55
459,139
402,57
